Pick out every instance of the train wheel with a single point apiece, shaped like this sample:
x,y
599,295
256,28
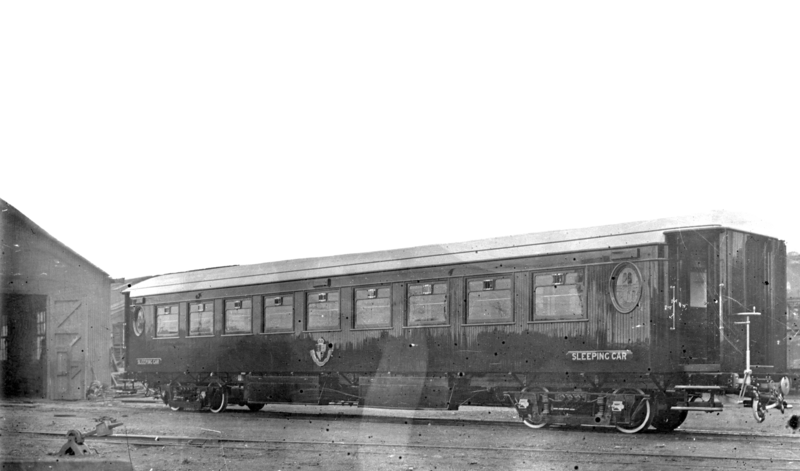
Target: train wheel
x,y
664,419
642,415
759,412
669,420
255,406
218,399
167,398
535,420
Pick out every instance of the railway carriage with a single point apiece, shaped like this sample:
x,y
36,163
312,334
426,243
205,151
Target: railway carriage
x,y
628,326
793,311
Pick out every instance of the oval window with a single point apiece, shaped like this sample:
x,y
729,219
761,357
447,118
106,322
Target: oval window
x,y
625,287
138,320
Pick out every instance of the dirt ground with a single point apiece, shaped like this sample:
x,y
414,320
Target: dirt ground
x,y
291,437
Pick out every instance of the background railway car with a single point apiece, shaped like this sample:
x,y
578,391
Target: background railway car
x,y
793,314
627,326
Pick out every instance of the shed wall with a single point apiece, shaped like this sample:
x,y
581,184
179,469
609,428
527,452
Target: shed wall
x,y
78,332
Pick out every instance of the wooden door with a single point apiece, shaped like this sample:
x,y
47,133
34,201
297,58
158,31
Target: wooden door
x,y
69,318
696,280
757,269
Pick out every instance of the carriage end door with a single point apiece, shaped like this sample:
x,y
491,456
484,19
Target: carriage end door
x,y
697,324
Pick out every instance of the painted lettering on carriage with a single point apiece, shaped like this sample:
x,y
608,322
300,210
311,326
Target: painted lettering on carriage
x,y
148,361
600,355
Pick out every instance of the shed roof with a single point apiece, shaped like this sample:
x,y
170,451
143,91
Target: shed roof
x,y
572,240
9,212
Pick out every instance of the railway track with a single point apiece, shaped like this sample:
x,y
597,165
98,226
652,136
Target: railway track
x,y
620,455
359,415
424,442
792,435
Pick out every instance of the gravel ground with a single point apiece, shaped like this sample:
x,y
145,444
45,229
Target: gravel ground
x,y
371,434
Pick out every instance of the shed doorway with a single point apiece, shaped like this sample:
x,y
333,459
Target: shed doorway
x,y
23,349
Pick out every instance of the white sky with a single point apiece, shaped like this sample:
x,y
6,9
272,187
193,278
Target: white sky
x,y
155,137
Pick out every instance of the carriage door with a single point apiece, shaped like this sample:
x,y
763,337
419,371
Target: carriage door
x,y
758,295
695,279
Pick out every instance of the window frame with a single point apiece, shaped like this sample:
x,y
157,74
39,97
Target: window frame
x,y
698,289
615,278
565,271
406,315
41,333
271,297
354,325
189,319
225,332
138,322
3,340
308,295
493,278
177,320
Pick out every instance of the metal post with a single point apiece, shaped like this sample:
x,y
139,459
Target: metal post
x,y
721,325
747,371
747,352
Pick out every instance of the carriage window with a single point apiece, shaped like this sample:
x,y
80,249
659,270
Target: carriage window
x,y
201,318
489,300
427,304
697,289
3,344
373,308
278,314
323,311
167,321
559,296
238,316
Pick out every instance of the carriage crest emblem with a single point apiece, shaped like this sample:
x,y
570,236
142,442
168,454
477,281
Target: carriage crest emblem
x,y
321,352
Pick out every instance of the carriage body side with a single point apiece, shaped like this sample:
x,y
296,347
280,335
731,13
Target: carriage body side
x,y
623,315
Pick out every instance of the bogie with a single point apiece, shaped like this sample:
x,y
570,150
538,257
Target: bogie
x,y
630,411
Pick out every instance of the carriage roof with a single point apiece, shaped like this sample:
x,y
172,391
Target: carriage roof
x,y
564,241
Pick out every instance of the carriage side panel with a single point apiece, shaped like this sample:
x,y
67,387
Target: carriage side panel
x,y
522,345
